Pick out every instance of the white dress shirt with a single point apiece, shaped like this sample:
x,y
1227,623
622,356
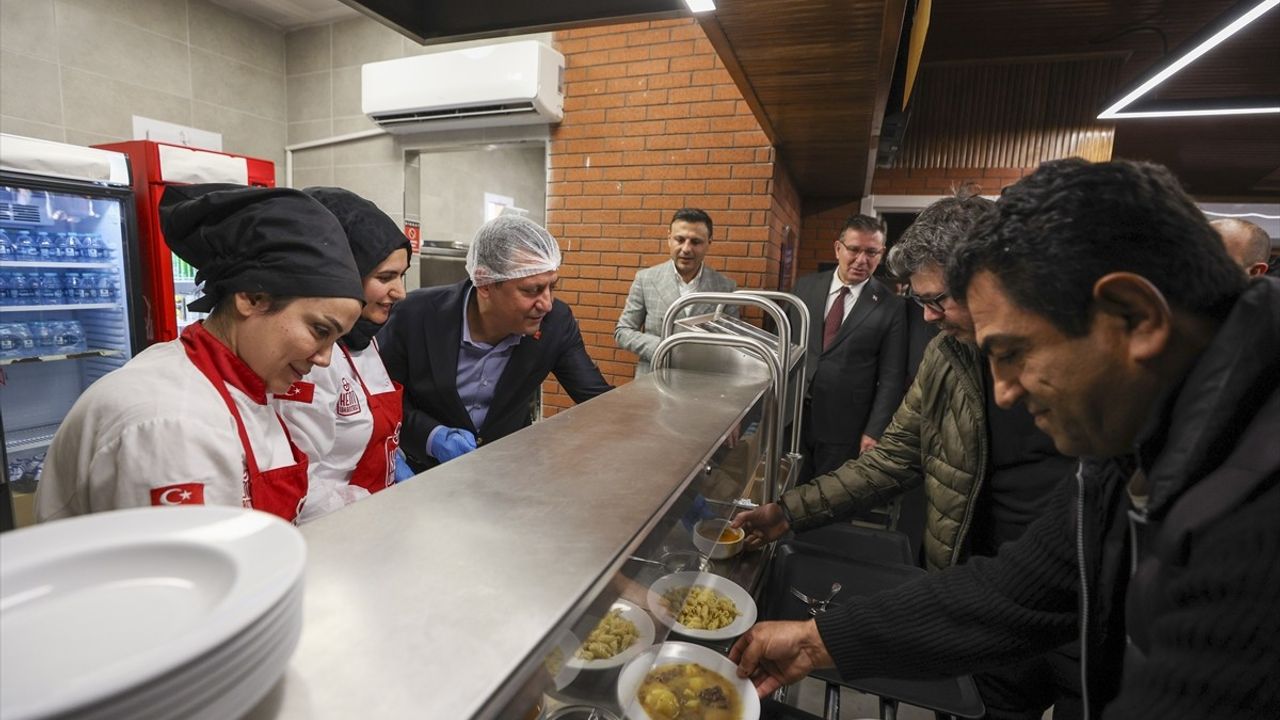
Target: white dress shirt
x,y
854,292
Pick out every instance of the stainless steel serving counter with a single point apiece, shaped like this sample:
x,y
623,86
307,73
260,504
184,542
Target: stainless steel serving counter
x,y
438,597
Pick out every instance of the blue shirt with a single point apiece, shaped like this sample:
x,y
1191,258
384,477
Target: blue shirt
x,y
480,365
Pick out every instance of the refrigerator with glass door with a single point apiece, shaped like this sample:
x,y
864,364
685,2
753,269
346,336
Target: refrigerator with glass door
x,y
69,279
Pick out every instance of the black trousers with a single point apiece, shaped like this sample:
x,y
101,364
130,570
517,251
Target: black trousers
x,y
821,458
1024,690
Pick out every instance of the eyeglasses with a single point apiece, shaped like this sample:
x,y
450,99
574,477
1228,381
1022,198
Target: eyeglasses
x,y
855,252
932,302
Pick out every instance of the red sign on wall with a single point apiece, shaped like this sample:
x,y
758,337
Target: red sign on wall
x,y
414,233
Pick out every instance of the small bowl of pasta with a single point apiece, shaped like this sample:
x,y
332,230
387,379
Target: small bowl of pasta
x,y
623,633
702,605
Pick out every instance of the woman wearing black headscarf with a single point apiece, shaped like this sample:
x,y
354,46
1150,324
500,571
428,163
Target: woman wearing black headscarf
x,y
346,416
188,421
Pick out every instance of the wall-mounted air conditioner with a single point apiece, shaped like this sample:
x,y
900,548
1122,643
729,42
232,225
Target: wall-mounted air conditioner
x,y
516,83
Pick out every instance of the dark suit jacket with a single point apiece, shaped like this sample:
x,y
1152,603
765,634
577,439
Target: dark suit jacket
x,y
855,385
420,345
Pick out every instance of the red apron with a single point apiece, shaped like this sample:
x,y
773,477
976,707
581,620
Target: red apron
x,y
280,491
376,468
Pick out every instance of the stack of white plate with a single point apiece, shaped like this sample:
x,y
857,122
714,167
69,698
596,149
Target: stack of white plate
x,y
180,612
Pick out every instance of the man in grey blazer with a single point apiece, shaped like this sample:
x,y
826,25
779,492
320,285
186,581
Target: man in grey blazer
x,y
657,287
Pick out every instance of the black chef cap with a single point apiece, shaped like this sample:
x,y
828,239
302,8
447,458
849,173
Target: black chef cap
x,y
372,233
270,240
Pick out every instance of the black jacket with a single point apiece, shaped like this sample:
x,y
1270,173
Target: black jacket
x,y
1208,626
857,383
420,344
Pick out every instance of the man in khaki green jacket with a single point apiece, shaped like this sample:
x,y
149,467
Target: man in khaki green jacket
x,y
987,472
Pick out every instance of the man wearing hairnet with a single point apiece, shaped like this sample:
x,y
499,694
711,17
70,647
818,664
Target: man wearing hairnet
x,y
471,355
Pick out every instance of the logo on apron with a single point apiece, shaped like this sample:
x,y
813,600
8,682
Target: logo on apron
x,y
348,401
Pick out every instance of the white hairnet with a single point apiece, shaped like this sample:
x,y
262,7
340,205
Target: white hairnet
x,y
509,247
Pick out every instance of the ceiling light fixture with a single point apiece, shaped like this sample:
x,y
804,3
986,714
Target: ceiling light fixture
x,y
1212,36
701,6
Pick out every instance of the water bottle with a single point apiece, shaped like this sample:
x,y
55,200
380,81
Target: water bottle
x,y
6,288
71,248
104,248
44,247
25,340
72,287
113,282
102,283
22,290
9,343
17,472
7,249
51,289
31,472
73,336
27,249
68,336
43,334
91,247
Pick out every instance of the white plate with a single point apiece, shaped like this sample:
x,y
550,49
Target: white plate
x,y
168,696
93,606
746,606
632,676
567,644
644,628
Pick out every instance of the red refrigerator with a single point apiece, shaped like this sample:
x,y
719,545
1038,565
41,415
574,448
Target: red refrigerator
x,y
168,283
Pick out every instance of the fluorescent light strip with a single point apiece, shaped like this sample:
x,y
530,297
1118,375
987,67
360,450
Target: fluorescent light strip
x,y
1204,47
701,6
1192,113
1241,215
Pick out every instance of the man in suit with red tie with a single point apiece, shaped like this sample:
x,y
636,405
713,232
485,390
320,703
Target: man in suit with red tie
x,y
856,372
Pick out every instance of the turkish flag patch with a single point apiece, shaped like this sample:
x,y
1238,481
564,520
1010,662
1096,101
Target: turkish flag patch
x,y
180,494
301,392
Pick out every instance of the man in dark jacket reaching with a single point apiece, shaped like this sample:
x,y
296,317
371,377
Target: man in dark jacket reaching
x,y
988,472
1107,305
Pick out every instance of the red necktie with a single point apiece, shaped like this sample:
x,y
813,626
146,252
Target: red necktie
x,y
835,316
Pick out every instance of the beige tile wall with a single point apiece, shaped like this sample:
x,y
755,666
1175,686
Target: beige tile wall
x,y
77,71
322,68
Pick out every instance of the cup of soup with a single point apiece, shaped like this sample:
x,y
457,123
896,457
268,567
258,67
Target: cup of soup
x,y
717,539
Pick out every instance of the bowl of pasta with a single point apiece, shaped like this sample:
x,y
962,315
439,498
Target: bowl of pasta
x,y
702,605
623,633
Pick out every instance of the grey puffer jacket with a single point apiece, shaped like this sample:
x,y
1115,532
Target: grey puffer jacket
x,y
938,436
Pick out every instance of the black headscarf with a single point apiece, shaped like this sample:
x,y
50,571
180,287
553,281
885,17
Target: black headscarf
x,y
269,240
373,236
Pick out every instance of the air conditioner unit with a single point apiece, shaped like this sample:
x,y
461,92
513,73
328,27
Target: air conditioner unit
x,y
517,83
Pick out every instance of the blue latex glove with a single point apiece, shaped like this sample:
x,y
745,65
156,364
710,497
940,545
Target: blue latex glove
x,y
450,443
403,471
697,511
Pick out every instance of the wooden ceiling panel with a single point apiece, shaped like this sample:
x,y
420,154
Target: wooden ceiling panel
x,y
1213,156
816,73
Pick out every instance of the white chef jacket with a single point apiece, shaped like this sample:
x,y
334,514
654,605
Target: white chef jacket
x,y
156,432
330,420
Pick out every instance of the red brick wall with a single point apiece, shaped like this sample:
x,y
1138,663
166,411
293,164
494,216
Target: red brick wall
x,y
653,123
820,229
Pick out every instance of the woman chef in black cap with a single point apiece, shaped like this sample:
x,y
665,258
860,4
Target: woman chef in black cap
x,y
188,421
346,416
